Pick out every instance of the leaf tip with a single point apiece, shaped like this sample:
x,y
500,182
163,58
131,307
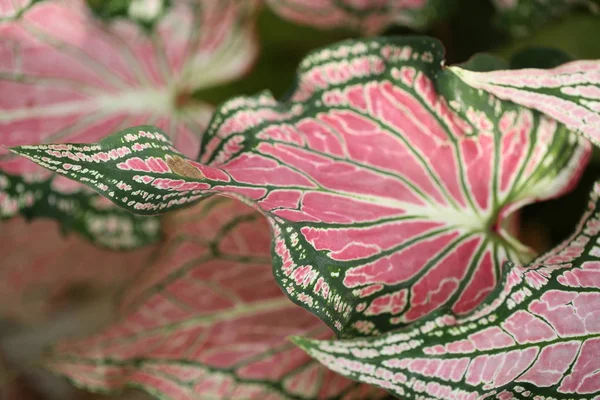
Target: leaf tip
x,y
19,149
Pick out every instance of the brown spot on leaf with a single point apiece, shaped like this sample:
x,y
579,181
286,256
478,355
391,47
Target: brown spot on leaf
x,y
183,167
183,98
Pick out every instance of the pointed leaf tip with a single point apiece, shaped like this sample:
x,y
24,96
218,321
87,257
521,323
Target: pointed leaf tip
x,y
300,341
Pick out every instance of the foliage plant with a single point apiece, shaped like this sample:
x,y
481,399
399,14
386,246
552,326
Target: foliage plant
x,y
358,237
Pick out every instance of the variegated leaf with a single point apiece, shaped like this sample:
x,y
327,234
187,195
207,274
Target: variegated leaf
x,y
207,321
536,337
67,76
40,270
366,16
569,93
520,17
385,178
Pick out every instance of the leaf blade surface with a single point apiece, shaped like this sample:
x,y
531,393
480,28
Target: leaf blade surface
x,y
207,320
536,335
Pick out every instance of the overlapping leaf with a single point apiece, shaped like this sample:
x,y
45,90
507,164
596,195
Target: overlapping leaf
x,y
385,179
66,76
41,271
569,93
208,321
537,336
520,17
369,17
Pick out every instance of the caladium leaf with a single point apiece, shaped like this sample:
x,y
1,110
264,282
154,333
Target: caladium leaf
x,y
41,271
71,77
521,17
569,93
369,17
385,179
207,321
536,336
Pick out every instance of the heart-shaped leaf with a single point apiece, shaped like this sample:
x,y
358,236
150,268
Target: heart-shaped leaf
x,y
73,78
207,321
368,17
569,93
537,336
521,17
385,178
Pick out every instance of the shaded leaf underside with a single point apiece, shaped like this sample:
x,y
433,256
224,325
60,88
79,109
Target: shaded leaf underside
x,y
385,179
537,336
208,321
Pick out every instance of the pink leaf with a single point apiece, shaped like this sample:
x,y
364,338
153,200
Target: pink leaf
x,y
536,336
569,93
39,268
207,320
